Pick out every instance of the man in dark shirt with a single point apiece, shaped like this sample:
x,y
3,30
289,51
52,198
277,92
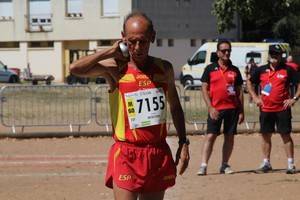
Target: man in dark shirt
x,y
275,104
222,93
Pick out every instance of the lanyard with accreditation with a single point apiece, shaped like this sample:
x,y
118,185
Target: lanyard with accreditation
x,y
268,87
229,87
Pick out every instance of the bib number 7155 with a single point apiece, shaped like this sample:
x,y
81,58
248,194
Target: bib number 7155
x,y
146,107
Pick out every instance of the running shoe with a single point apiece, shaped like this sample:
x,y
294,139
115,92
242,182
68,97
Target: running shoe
x,y
265,168
291,169
202,171
226,169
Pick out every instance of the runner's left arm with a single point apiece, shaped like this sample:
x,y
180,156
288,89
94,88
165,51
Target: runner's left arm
x,y
182,155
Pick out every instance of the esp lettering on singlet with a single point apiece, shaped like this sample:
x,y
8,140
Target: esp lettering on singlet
x,y
142,107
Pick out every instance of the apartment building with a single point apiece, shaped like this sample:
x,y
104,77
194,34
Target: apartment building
x,y
49,34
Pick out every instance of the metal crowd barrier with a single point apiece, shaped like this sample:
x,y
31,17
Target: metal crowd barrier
x,y
194,107
61,105
102,111
79,105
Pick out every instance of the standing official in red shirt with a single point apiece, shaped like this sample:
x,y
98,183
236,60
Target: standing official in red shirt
x,y
275,104
222,92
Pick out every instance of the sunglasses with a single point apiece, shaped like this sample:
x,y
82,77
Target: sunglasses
x,y
224,50
275,55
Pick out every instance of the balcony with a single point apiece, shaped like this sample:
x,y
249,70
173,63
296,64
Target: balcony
x,y
74,15
6,18
39,23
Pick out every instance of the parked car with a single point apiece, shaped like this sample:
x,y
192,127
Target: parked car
x,y
72,79
8,76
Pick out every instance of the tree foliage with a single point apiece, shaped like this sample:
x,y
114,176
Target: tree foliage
x,y
281,17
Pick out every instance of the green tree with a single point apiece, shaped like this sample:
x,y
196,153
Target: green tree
x,y
263,18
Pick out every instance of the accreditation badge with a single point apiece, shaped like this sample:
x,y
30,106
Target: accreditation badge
x,y
230,90
146,107
267,89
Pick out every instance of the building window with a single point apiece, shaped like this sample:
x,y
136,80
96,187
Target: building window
x,y
6,10
159,42
203,41
41,44
170,42
256,56
110,8
105,43
193,42
9,44
40,16
74,8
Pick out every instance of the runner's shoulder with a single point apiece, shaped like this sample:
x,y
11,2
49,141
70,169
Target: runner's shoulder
x,y
163,64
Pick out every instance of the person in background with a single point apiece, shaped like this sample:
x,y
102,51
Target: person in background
x,y
250,67
275,105
222,92
290,63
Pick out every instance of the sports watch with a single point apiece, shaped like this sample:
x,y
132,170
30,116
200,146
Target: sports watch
x,y
295,98
184,141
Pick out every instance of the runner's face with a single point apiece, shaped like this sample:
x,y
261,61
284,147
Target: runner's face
x,y
138,38
224,52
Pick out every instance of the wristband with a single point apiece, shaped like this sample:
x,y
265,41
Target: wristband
x,y
295,98
184,141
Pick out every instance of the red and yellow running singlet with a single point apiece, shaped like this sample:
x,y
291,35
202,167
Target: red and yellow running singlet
x,y
139,105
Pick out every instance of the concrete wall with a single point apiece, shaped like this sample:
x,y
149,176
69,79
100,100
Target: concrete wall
x,y
182,19
177,20
47,60
41,60
67,33
12,57
90,26
177,54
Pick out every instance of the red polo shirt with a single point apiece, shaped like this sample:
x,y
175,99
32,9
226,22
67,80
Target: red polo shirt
x,y
293,65
223,85
280,80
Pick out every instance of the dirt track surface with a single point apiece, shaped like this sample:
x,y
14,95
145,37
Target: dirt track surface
x,y
74,169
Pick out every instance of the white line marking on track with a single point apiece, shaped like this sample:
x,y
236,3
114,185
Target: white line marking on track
x,y
47,174
51,162
47,160
4,157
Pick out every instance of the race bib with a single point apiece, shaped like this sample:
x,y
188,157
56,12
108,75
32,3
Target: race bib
x,y
146,107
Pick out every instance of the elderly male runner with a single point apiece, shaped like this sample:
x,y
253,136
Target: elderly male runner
x,y
140,162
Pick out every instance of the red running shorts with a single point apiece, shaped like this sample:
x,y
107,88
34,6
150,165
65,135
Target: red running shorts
x,y
147,168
